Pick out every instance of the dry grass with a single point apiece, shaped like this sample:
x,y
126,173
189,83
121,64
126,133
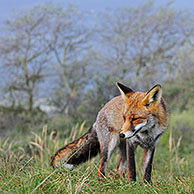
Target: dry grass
x,y
25,168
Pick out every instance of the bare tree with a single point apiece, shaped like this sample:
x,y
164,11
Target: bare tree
x,y
70,44
47,40
23,49
143,43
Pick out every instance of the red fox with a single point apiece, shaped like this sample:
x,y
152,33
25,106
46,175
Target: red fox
x,y
132,119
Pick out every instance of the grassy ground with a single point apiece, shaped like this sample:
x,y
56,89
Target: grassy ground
x,y
25,165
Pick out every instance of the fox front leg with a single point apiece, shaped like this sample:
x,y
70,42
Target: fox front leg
x,y
131,169
148,159
106,150
122,165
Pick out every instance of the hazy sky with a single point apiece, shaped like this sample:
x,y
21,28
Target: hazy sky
x,y
7,6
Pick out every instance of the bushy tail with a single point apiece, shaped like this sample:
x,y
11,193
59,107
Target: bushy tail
x,y
78,151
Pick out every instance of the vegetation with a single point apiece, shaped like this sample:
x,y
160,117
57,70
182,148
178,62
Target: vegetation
x,y
25,166
50,55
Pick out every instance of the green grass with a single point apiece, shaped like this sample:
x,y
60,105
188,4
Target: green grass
x,y
25,165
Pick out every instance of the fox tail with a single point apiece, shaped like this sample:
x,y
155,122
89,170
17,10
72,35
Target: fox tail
x,y
78,151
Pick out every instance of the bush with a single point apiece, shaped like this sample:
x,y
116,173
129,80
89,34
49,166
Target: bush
x,y
14,120
180,93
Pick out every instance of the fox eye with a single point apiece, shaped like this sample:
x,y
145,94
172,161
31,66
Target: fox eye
x,y
134,119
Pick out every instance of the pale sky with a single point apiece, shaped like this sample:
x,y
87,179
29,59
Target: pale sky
x,y
7,6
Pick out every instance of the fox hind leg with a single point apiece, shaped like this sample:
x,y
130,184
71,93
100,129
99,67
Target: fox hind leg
x,y
103,160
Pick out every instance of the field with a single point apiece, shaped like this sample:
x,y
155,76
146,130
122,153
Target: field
x,y
25,164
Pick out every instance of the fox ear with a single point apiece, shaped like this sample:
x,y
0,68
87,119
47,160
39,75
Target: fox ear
x,y
153,96
124,90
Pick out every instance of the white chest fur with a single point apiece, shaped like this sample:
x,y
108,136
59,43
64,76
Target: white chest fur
x,y
148,138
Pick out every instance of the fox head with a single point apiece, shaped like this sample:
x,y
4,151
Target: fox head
x,y
143,110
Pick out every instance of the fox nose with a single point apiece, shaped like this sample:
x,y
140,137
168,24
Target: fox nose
x,y
122,135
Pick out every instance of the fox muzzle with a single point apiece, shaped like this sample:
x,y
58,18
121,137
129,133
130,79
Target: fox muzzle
x,y
126,135
133,131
